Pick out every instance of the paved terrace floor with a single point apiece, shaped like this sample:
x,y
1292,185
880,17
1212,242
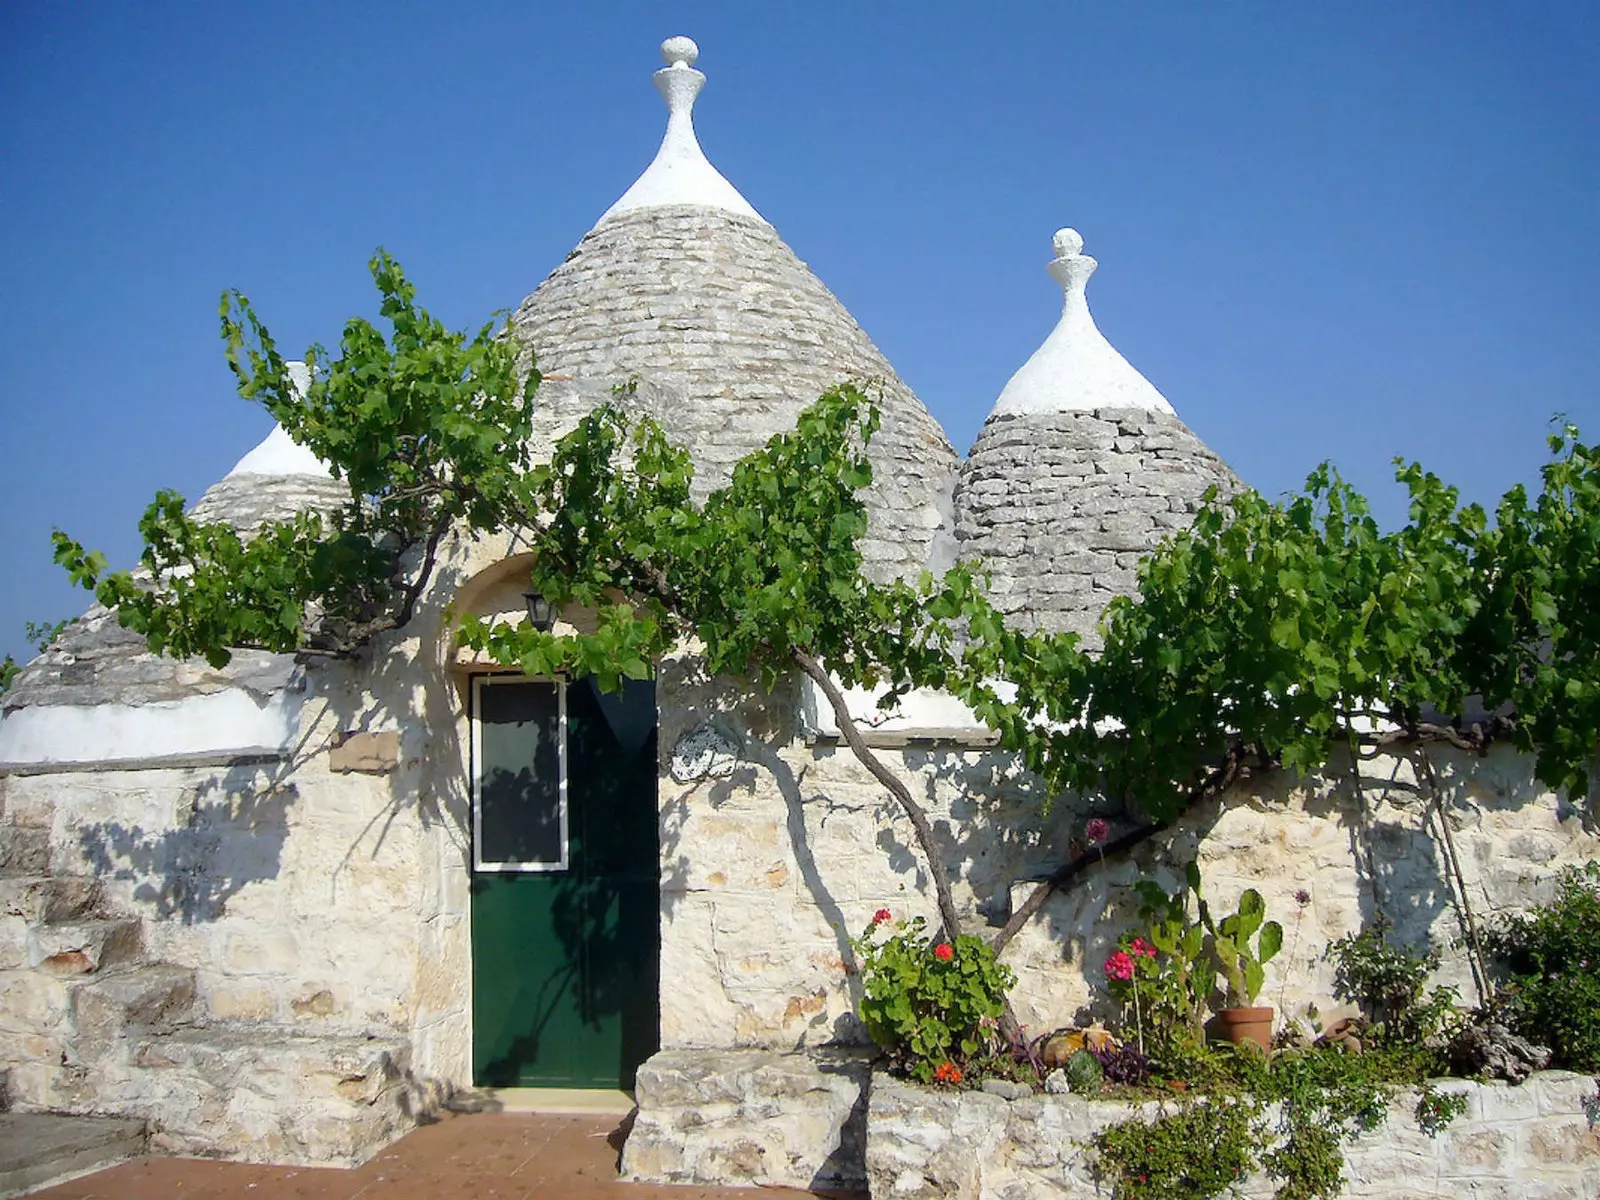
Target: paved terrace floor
x,y
483,1156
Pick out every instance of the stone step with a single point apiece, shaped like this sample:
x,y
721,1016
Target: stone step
x,y
146,999
24,850
260,1093
53,898
39,1148
83,947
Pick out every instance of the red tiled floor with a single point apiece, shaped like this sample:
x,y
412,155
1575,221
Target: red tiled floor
x,y
489,1156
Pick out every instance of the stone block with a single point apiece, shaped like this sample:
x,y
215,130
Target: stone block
x,y
83,947
1561,1140
367,753
1563,1092
108,1007
24,850
751,1118
48,898
266,1094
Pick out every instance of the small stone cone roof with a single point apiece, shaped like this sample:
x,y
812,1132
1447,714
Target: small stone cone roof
x,y
96,661
683,286
1079,470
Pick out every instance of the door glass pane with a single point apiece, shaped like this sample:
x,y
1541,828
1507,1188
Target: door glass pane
x,y
519,789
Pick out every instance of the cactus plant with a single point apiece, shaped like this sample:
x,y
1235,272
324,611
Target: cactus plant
x,y
1241,962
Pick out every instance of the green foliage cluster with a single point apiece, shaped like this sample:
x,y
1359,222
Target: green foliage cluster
x,y
1168,991
1435,1109
931,1003
1193,1152
427,427
1264,631
1389,982
1552,959
1324,1097
1273,628
1084,1073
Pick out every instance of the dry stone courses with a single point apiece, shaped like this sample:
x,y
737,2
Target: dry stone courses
x,y
1060,507
730,335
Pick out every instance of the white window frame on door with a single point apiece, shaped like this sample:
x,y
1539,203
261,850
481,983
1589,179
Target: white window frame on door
x,y
479,682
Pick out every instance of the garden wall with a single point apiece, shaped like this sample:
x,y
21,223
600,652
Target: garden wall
x,y
1537,1141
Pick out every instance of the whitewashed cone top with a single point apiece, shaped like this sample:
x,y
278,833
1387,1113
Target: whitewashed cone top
x,y
279,454
1076,370
680,172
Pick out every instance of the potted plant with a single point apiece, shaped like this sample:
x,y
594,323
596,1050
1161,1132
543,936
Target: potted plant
x,y
1242,962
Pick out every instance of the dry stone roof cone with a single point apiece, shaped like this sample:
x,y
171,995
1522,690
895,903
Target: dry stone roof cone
x,y
275,480
682,287
94,661
1079,470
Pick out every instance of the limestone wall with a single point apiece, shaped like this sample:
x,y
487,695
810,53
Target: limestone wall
x,y
773,858
1513,1143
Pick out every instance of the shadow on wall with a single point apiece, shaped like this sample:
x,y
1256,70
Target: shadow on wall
x,y
237,825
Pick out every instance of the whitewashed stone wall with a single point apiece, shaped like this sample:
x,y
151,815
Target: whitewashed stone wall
x,y
769,868
1537,1141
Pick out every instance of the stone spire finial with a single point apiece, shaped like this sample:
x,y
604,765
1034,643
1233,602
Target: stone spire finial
x,y
1076,370
681,173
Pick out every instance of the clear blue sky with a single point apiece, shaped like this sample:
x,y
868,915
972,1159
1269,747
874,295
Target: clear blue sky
x,y
1347,231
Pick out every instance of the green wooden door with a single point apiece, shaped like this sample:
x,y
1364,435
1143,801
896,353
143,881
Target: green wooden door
x,y
565,884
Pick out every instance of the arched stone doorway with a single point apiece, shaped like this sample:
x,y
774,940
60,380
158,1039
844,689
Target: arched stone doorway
x,y
565,867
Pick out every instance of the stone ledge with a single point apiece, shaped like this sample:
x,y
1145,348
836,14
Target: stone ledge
x,y
924,1144
39,1148
751,1117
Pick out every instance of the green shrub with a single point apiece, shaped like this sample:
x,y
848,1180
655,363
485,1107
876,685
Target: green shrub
x,y
1390,984
933,1005
1552,960
1198,1151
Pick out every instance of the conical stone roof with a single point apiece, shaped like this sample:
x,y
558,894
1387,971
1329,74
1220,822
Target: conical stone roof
x,y
683,286
1081,468
95,661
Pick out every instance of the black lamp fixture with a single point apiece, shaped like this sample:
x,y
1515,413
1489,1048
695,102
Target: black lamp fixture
x,y
541,613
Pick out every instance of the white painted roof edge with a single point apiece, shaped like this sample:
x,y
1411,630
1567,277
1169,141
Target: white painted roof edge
x,y
230,721
680,172
922,712
278,453
1076,369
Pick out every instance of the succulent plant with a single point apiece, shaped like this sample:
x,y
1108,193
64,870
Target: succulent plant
x,y
1084,1073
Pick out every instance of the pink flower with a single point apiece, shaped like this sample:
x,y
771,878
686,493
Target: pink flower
x,y
881,917
1143,948
1302,897
943,952
1119,966
1097,829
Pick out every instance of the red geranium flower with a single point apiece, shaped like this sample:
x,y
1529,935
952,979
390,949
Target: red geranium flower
x,y
1119,966
944,952
881,916
1143,948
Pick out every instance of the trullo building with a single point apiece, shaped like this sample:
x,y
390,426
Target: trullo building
x,y
279,908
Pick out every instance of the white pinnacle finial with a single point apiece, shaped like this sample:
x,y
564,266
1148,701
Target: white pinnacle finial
x,y
676,50
1076,370
681,173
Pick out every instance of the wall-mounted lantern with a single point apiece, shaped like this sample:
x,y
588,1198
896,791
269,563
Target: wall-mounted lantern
x,y
541,613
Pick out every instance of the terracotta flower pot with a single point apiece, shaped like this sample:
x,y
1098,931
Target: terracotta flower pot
x,y
1241,1025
